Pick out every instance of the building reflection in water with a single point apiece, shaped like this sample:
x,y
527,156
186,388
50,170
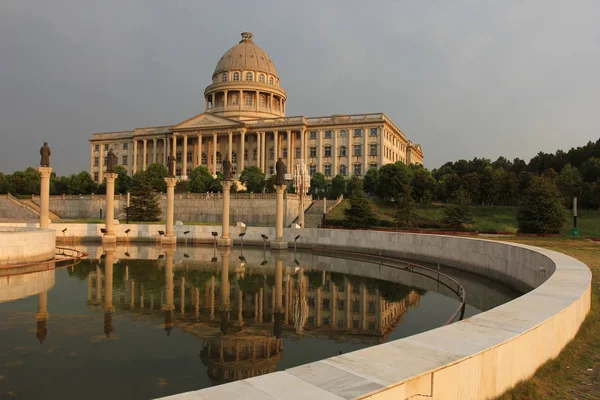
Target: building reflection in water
x,y
241,311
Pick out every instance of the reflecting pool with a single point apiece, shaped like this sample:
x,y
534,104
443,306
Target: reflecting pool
x,y
138,322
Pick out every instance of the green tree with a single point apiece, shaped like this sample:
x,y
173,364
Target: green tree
x,y
404,212
540,208
423,184
318,183
359,214
4,185
144,205
569,184
338,185
371,182
200,179
59,184
82,183
392,177
355,184
253,178
215,185
458,213
25,182
155,176
182,187
590,169
124,182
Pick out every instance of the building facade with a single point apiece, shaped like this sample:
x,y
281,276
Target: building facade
x,y
245,119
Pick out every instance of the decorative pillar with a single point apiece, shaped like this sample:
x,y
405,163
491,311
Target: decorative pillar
x,y
275,149
230,146
109,236
184,158
155,151
365,150
199,149
169,305
380,147
257,93
101,170
279,242
135,158
335,152
350,152
320,151
165,150
174,148
225,98
169,238
302,146
45,173
290,151
92,160
145,154
214,154
225,239
240,159
263,152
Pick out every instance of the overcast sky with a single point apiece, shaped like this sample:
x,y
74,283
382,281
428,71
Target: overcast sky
x,y
463,78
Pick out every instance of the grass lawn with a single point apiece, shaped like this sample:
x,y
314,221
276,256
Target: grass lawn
x,y
122,221
575,373
487,219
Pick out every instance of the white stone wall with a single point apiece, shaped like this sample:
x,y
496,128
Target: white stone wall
x,y
19,245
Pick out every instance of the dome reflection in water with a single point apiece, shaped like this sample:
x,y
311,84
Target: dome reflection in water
x,y
141,322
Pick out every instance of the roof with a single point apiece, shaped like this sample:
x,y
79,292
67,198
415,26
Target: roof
x,y
246,55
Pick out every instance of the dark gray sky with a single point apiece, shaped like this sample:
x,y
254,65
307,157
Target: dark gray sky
x,y
464,78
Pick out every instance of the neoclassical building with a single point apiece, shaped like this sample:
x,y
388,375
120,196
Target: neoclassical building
x,y
245,119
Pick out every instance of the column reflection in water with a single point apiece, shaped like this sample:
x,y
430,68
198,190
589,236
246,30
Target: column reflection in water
x,y
169,306
109,309
42,316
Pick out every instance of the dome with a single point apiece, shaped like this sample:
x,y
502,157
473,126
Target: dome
x,y
246,56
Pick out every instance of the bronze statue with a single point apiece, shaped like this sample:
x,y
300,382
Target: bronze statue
x,y
45,152
111,160
171,165
279,177
226,169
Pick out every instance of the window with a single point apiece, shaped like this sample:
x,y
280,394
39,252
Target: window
x,y
125,146
343,170
178,172
357,132
341,305
312,169
297,152
189,157
219,158
224,77
297,135
236,76
271,153
327,134
204,159
178,156
325,321
311,320
372,326
343,133
373,132
262,101
356,289
235,100
96,161
313,151
248,76
327,169
284,152
340,324
105,147
373,150
124,160
96,176
311,302
371,307
355,324
313,135
249,99
271,81
271,171
105,161
245,154
116,146
261,78
327,151
254,154
373,165
355,307
357,169
97,147
342,151
357,149
325,304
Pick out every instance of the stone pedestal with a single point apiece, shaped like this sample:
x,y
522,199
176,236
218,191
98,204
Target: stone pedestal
x,y
44,196
169,238
109,236
279,242
225,239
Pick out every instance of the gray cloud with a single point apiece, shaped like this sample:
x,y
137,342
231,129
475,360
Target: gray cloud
x,y
463,78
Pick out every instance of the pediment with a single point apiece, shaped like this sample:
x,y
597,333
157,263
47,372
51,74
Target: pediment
x,y
206,120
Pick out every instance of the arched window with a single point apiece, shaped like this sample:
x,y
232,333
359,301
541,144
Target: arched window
x,y
357,169
261,78
271,81
327,151
312,169
248,76
236,76
343,170
327,169
343,133
342,152
224,77
219,158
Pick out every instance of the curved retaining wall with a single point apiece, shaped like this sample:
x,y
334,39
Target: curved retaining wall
x,y
478,358
19,245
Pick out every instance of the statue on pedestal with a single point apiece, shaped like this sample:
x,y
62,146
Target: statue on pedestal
x,y
45,153
280,176
171,165
111,160
226,169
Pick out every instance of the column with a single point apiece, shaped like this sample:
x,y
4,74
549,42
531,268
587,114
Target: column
x,y
271,102
225,239
184,157
214,154
263,151
169,289
155,150
169,238
302,145
165,150
241,160
225,98
44,196
365,150
144,160
174,148
350,151
335,152
320,150
101,170
275,148
380,147
241,99
258,155
92,160
256,100
199,149
279,242
135,158
230,146
290,168
109,236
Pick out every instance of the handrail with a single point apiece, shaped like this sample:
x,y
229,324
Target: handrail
x,y
460,290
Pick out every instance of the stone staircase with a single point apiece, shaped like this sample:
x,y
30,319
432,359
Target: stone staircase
x,y
13,208
36,208
314,215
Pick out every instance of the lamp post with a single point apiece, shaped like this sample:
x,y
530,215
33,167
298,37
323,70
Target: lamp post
x,y
575,230
301,184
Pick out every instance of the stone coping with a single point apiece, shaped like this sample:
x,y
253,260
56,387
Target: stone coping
x,y
477,358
